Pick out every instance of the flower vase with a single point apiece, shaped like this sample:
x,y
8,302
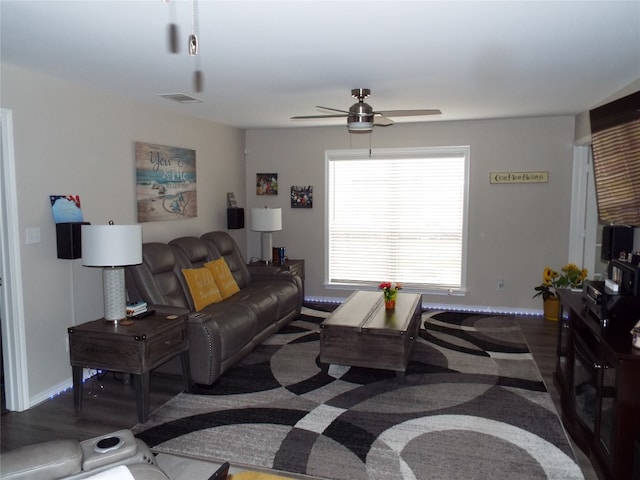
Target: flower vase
x,y
390,300
552,308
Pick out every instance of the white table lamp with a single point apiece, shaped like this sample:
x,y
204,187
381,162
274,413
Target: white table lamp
x,y
266,220
112,247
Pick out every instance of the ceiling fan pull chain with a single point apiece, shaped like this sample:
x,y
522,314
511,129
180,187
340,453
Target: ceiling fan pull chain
x,y
193,38
174,43
198,76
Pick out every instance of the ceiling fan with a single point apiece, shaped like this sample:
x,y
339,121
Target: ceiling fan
x,y
361,117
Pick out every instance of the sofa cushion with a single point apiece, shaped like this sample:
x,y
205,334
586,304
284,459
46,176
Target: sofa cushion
x,y
196,251
158,280
222,245
223,277
202,287
285,292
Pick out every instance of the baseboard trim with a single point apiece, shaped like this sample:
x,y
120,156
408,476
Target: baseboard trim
x,y
59,388
444,306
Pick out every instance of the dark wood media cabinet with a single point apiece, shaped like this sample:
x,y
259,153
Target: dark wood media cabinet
x,y
598,377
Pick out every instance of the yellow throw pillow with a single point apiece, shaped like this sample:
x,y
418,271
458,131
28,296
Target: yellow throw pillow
x,y
202,286
223,277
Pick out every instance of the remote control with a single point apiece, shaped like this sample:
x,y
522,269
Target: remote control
x,y
143,314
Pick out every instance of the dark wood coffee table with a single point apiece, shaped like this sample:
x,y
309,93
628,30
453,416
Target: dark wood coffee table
x,y
361,333
133,349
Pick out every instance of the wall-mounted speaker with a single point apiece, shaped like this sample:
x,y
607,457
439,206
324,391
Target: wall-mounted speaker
x,y
616,239
235,218
69,239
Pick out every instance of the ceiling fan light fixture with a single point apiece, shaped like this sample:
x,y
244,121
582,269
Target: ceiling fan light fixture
x,y
359,126
360,119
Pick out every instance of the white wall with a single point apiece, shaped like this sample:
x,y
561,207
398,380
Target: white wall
x,y
514,230
72,140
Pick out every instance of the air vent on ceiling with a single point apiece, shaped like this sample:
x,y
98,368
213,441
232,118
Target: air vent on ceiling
x,y
179,97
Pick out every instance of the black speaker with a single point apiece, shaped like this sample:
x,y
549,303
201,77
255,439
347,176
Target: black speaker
x,y
235,218
616,239
69,239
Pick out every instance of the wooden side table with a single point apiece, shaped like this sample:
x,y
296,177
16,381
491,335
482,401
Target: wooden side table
x,y
293,265
134,349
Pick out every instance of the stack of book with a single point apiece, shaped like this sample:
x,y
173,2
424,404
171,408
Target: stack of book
x,y
136,308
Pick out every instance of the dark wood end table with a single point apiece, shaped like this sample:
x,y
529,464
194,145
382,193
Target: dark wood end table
x,y
290,265
133,349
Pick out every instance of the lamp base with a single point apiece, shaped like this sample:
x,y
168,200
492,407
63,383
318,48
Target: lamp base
x,y
115,299
125,322
267,253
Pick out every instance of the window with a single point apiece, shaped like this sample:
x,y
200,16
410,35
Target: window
x,y
615,135
397,215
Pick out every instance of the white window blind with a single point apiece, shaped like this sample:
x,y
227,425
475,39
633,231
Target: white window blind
x,y
398,215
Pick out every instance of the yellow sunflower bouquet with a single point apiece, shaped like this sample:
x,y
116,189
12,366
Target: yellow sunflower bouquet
x,y
570,277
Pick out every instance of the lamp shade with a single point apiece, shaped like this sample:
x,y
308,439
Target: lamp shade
x,y
266,219
111,245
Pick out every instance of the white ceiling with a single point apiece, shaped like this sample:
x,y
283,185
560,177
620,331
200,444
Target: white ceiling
x,y
265,61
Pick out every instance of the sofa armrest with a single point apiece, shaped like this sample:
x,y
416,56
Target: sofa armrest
x,y
44,461
204,348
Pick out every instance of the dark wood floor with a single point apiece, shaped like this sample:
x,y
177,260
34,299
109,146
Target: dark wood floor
x,y
109,404
542,337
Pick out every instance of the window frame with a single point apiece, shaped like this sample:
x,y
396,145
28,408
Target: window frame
x,y
400,153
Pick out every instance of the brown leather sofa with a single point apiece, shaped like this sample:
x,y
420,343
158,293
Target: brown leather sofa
x,y
222,333
71,460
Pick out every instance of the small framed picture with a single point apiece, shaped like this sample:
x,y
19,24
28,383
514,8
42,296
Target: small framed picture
x,y
302,197
266,183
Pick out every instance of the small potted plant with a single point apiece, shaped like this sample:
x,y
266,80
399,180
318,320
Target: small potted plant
x,y
390,291
570,277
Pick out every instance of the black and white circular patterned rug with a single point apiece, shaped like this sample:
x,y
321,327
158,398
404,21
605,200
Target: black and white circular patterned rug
x,y
473,407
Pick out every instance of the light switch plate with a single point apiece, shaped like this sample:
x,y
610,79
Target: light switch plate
x,y
33,235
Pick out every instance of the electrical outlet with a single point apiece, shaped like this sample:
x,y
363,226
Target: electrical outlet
x,y
500,284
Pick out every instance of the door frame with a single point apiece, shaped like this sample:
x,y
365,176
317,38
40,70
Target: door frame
x,y
12,299
583,225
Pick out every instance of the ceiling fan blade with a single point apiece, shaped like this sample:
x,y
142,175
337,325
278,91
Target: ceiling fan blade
x,y
410,113
332,109
299,117
382,121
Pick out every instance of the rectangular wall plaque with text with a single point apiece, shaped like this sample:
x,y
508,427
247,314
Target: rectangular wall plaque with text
x,y
519,177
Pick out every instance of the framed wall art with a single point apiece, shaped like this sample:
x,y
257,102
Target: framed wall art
x,y
266,183
302,197
165,182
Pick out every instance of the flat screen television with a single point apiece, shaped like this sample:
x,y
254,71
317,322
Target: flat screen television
x,y
615,141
